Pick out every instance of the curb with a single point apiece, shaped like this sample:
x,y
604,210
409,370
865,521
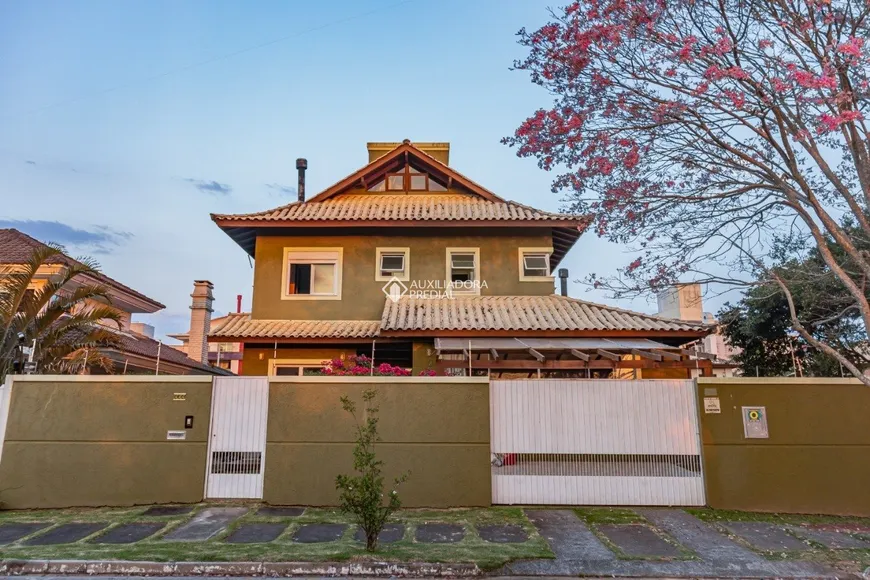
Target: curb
x,y
268,569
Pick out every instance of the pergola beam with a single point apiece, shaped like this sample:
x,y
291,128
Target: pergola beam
x,y
668,355
646,355
538,356
580,355
607,354
493,354
698,354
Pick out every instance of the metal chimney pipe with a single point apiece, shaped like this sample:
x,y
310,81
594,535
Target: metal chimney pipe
x,y
301,166
238,303
563,281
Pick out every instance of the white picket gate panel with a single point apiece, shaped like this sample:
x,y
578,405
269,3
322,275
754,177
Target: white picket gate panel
x,y
595,442
5,403
237,446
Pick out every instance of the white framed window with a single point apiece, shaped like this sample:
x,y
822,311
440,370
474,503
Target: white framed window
x,y
285,367
535,264
463,270
393,262
312,274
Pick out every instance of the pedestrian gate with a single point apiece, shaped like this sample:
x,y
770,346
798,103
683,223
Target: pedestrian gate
x,y
588,442
237,445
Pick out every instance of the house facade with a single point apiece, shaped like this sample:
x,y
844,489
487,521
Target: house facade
x,y
412,263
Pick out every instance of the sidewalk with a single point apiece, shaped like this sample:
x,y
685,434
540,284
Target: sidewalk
x,y
246,540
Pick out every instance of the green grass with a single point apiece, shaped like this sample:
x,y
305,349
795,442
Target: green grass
x,y
471,549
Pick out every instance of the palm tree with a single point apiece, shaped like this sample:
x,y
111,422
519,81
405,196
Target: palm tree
x,y
66,315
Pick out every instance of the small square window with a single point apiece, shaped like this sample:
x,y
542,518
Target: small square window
x,y
392,263
534,263
463,270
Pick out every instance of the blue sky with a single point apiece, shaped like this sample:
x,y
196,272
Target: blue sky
x,y
125,123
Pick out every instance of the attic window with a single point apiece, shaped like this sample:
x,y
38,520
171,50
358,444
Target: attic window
x,y
409,179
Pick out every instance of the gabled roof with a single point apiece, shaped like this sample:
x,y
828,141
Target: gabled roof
x,y
396,158
522,313
17,247
466,204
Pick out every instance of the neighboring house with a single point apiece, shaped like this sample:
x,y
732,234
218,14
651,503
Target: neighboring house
x,y
137,352
225,355
684,302
409,261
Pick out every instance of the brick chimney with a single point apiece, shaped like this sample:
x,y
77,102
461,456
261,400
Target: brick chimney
x,y
200,320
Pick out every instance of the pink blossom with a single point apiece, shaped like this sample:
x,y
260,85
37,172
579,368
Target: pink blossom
x,y
830,122
809,80
852,47
764,43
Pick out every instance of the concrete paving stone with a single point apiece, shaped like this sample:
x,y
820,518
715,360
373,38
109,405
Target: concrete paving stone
x,y
318,533
256,533
439,533
13,532
834,540
283,512
390,534
168,510
766,536
65,534
568,536
639,541
206,524
707,542
129,533
506,534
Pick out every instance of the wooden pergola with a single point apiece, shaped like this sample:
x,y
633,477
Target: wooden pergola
x,y
536,355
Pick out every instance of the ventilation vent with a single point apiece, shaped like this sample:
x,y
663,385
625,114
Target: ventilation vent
x,y
236,462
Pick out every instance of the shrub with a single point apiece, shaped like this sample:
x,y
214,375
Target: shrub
x,y
362,495
361,365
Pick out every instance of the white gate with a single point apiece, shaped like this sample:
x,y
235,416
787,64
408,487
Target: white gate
x,y
237,446
595,442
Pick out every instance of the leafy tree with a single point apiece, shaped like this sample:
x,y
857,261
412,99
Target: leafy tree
x,y
362,495
711,136
62,315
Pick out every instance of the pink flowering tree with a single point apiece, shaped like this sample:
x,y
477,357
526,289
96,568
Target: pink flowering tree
x,y
715,139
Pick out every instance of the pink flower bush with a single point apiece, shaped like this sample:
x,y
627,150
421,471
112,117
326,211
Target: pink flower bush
x,y
361,366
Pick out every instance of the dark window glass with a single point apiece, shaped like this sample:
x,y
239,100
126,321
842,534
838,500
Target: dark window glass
x,y
300,279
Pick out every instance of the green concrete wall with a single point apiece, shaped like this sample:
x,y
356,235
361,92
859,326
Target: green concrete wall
x,y
817,459
362,295
93,442
438,429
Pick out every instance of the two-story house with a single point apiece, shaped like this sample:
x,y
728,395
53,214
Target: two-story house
x,y
411,262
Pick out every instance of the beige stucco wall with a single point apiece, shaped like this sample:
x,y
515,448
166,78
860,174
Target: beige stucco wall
x,y
436,428
95,441
362,295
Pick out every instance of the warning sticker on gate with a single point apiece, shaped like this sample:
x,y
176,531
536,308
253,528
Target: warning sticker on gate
x,y
711,405
755,423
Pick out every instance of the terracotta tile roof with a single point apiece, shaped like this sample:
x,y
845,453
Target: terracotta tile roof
x,y
16,248
147,347
402,207
241,326
544,313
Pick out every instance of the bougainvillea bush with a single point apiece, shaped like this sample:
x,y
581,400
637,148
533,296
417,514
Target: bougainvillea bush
x,y
361,365
713,138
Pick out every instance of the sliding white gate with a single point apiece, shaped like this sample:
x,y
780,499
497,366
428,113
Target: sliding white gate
x,y
588,442
237,446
